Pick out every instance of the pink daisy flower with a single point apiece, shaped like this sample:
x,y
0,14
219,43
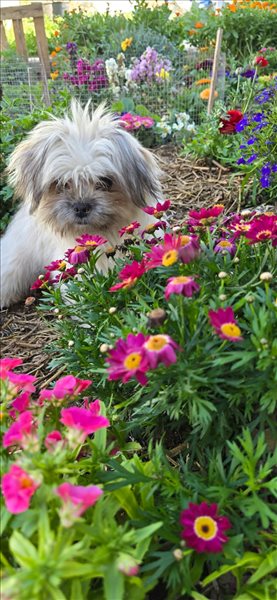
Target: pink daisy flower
x,y
129,275
91,241
128,359
189,248
205,217
165,254
225,246
129,229
204,530
43,281
158,210
18,488
263,229
56,265
77,255
152,227
160,348
224,323
186,286
64,275
76,499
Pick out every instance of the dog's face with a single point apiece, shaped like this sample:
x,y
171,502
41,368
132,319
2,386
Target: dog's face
x,y
84,173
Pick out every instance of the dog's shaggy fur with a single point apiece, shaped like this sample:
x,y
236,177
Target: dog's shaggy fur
x,y
79,174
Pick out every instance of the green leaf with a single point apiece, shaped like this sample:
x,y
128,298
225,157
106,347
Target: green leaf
x,y
113,583
268,565
145,532
24,552
197,596
75,569
250,559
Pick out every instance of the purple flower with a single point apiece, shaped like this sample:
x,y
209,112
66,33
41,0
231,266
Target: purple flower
x,y
241,161
251,158
242,124
251,141
249,73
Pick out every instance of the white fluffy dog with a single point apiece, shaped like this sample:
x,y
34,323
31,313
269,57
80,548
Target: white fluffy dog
x,y
79,174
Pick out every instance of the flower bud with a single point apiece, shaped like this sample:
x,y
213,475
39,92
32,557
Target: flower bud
x,y
29,301
266,276
264,341
156,317
250,299
236,259
178,554
104,348
70,344
112,310
222,275
222,297
127,565
81,271
56,311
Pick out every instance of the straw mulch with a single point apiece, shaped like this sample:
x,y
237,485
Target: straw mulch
x,y
26,334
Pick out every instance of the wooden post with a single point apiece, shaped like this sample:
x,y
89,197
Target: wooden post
x,y
42,44
3,38
20,43
217,51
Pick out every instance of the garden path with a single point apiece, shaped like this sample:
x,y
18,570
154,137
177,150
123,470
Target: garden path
x,y
189,185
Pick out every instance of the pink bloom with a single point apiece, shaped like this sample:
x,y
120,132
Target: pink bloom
x,y
128,359
15,382
152,227
43,281
64,275
224,245
8,364
83,420
158,210
91,241
56,265
261,61
186,286
66,388
53,440
76,499
127,565
77,255
160,348
20,404
189,248
206,216
263,229
22,432
164,255
204,530
130,228
18,487
126,284
129,275
224,323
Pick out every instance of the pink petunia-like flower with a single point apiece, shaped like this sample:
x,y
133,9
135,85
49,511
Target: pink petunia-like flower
x,y
189,248
225,246
128,359
262,229
205,217
166,254
204,530
43,281
18,487
22,433
224,323
129,275
185,285
82,420
65,388
13,383
20,404
76,499
129,228
158,210
8,364
160,348
53,440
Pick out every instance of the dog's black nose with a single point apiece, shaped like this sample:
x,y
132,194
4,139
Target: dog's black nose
x,y
82,209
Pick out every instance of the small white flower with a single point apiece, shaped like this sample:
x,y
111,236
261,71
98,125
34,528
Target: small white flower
x,y
222,275
266,276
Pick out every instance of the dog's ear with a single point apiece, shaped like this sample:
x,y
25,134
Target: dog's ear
x,y
140,172
25,167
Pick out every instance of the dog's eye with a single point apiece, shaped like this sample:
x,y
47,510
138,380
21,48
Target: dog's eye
x,y
104,183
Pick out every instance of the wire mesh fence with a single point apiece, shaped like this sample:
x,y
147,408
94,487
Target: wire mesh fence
x,y
160,85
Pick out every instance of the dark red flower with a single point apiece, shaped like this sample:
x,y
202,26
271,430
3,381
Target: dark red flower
x,y
261,61
228,125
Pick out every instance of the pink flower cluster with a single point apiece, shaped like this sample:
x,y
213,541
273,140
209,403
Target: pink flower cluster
x,y
133,122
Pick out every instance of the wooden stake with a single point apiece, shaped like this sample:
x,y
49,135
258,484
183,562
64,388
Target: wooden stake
x,y
217,51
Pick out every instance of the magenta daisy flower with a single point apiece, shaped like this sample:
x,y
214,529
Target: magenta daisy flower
x,y
189,249
160,348
158,210
224,323
225,246
186,286
42,281
152,227
204,530
165,254
129,275
206,216
129,229
77,255
128,359
92,241
263,229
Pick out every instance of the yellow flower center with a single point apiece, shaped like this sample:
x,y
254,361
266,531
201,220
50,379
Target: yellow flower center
x,y
181,279
241,227
230,329
225,244
156,342
91,243
169,258
25,482
130,282
205,528
266,233
207,220
185,239
78,249
132,361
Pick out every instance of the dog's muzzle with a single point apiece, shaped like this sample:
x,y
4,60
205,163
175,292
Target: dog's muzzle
x,y
82,210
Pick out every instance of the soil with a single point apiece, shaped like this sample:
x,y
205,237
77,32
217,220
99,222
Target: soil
x,y
189,185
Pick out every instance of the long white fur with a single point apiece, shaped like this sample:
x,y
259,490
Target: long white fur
x,y
79,149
